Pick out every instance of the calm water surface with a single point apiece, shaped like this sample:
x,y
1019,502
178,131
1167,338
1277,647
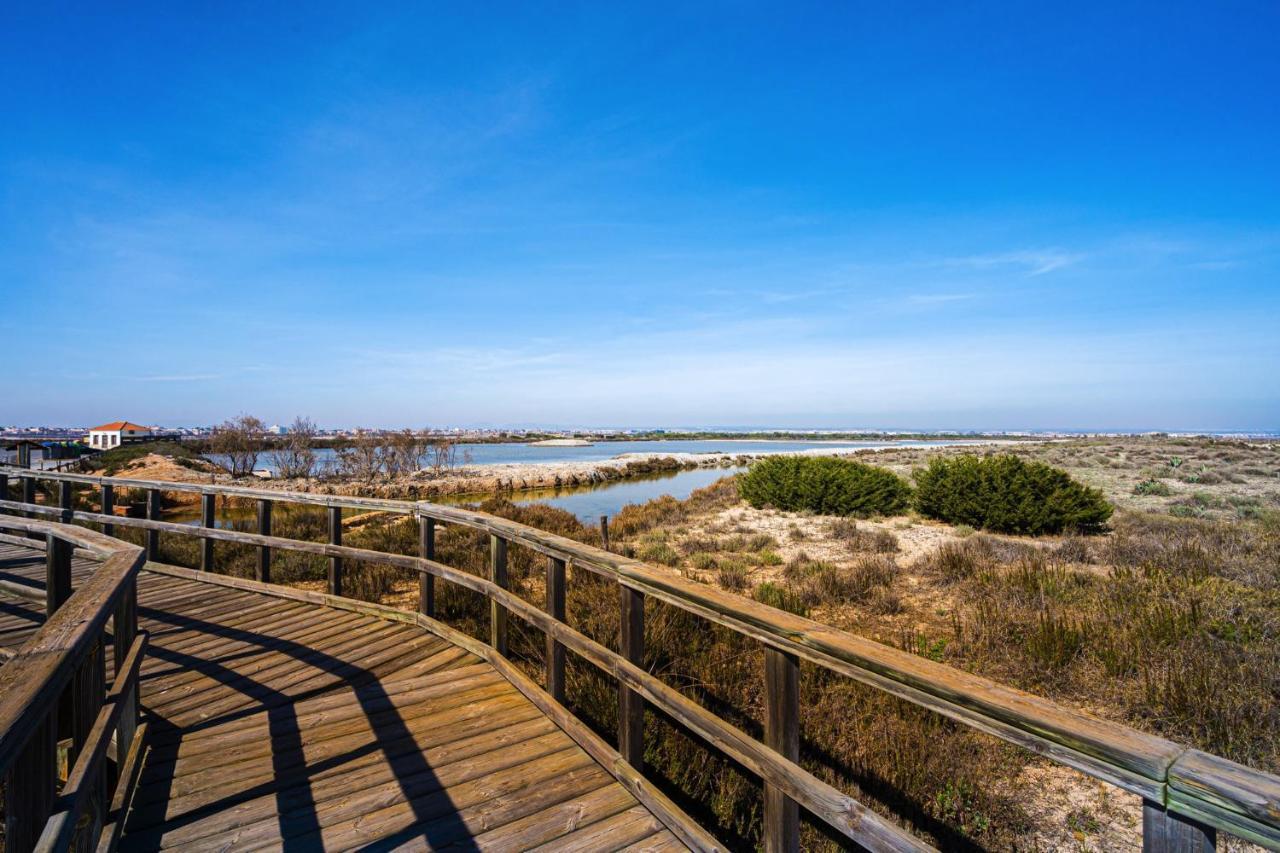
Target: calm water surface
x,y
509,453
589,502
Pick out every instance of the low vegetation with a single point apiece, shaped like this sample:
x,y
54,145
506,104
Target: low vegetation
x,y
824,484
1167,621
111,462
1007,494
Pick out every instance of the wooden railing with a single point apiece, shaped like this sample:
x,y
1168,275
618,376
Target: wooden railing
x,y
53,695
1187,794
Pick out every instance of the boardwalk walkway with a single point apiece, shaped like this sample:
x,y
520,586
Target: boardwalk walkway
x,y
286,724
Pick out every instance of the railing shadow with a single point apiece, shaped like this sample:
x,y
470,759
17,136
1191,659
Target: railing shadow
x,y
297,817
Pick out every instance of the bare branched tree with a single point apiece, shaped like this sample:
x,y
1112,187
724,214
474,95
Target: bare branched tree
x,y
363,456
405,451
295,455
442,455
239,440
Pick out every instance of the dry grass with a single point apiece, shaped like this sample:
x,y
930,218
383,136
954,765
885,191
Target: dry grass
x,y
1170,622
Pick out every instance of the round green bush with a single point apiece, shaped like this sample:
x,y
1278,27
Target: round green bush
x,y
1007,494
826,485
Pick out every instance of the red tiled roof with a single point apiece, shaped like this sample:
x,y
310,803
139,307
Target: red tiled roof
x,y
119,425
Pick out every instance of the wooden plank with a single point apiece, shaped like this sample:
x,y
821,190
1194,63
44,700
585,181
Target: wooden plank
x,y
483,699
688,831
356,759
349,805
556,820
257,660
781,734
611,833
266,677
241,740
299,681
660,842
412,801
460,826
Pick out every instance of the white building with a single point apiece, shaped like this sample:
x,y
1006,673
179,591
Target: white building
x,y
117,433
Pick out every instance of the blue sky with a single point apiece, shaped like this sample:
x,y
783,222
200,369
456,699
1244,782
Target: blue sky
x,y
831,215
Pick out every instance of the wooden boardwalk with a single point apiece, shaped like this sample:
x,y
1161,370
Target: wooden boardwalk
x,y
284,724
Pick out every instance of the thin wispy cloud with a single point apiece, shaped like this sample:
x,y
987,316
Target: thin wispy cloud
x,y
1032,262
938,298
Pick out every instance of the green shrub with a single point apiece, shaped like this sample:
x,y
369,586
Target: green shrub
x,y
824,484
1008,495
776,595
1152,487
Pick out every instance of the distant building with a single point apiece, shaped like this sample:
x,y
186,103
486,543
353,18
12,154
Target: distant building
x,y
117,433
276,429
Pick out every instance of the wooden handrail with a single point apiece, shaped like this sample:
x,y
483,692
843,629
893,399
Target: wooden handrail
x,y
32,681
1205,789
74,799
62,666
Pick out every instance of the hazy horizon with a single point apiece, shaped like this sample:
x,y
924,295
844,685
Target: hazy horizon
x,y
974,217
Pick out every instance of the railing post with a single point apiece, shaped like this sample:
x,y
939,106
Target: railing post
x,y
555,609
153,513
426,550
498,574
208,513
781,734
124,629
1164,831
264,552
4,491
630,703
29,497
108,497
30,787
335,538
57,560
65,501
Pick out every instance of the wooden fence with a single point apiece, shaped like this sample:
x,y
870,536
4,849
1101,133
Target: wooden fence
x,y
54,689
1187,794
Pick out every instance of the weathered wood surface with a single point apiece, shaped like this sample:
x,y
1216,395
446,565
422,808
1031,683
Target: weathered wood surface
x,y
275,720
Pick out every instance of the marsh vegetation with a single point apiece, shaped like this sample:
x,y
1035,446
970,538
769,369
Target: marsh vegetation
x,y
1166,619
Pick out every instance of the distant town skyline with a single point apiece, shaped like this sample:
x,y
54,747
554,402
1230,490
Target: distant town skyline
x,y
980,216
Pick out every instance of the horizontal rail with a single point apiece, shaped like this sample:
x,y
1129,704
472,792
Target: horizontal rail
x,y
1217,792
245,492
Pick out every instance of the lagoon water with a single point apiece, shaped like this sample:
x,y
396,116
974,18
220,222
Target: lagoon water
x,y
515,453
592,501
